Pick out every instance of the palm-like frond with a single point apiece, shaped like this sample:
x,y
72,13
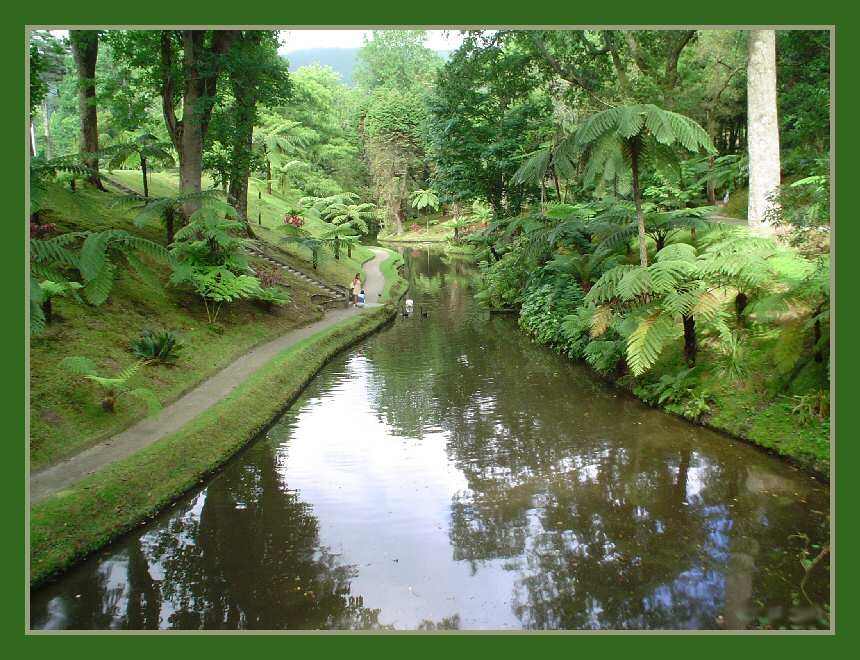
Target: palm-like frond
x,y
646,342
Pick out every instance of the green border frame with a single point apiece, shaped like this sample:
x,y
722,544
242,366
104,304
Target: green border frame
x,y
436,14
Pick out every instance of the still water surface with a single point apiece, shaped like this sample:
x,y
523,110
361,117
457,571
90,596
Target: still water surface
x,y
448,473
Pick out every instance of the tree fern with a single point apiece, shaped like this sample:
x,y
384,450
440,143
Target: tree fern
x,y
631,132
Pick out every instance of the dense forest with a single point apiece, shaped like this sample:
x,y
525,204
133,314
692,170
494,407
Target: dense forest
x,y
655,203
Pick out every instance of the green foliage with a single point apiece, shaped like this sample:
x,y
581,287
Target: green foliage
x,y
545,306
157,346
672,388
356,215
112,387
209,257
423,199
96,261
100,253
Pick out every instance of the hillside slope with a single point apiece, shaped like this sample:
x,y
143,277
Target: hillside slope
x,y
65,411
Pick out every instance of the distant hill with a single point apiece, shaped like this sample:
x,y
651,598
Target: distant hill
x,y
342,60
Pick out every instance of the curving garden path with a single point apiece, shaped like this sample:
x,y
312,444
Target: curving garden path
x,y
171,418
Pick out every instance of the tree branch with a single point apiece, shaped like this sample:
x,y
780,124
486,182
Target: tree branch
x,y
168,86
635,52
672,58
563,72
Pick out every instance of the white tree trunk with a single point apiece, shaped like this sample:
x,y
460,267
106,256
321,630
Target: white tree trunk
x,y
762,126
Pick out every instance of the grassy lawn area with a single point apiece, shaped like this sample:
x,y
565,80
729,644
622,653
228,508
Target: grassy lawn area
x,y
429,229
65,415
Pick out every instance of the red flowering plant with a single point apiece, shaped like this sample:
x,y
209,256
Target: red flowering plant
x,y
40,231
293,217
415,227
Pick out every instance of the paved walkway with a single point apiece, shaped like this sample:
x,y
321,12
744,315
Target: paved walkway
x,y
55,478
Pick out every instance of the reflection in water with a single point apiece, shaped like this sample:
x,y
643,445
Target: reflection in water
x,y
448,473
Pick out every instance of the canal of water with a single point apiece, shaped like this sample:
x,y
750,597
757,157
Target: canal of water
x,y
449,473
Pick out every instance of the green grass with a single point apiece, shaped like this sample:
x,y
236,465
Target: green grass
x,y
737,204
435,232
75,522
266,213
395,286
65,415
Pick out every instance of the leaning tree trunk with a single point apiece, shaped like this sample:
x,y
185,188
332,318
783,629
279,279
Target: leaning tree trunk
x,y
763,127
85,49
690,340
637,198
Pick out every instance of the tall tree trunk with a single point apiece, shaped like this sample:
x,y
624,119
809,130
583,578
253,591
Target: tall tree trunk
x,y
32,139
712,193
46,117
201,65
85,49
557,186
244,80
637,198
191,137
763,126
268,177
145,182
690,340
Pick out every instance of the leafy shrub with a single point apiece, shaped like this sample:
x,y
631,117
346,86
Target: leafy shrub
x,y
812,407
208,256
576,328
604,355
160,346
545,307
697,406
503,281
270,277
668,389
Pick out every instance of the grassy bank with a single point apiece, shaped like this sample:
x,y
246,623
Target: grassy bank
x,y
754,407
75,522
395,286
429,229
65,415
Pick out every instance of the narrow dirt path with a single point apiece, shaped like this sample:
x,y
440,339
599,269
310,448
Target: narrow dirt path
x,y
174,416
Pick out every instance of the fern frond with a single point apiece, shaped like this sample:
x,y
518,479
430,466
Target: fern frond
x,y
646,342
148,397
634,283
604,290
79,365
97,288
600,320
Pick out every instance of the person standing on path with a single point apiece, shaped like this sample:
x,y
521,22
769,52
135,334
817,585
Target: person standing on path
x,y
356,288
